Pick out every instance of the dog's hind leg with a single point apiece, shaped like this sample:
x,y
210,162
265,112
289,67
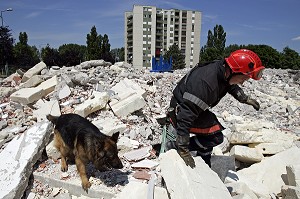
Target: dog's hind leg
x,y
62,148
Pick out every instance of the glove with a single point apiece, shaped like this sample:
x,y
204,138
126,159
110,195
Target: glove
x,y
253,103
182,149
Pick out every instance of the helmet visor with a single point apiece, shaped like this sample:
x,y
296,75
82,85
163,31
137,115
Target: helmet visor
x,y
257,74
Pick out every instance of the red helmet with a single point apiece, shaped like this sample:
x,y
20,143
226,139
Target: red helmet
x,y
246,62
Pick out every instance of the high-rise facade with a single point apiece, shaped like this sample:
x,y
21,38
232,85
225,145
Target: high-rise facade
x,y
150,31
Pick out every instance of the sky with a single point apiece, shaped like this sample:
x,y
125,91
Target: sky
x,y
275,23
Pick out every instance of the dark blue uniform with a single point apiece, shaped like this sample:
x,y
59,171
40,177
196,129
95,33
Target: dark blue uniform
x,y
200,89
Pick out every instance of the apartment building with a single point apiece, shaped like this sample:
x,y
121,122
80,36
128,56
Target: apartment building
x,y
150,31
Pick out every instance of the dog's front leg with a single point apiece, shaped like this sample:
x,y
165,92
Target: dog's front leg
x,y
64,165
82,172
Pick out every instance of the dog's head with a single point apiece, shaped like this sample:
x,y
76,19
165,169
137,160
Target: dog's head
x,y
109,154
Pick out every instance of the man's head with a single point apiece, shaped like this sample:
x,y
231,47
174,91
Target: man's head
x,y
245,62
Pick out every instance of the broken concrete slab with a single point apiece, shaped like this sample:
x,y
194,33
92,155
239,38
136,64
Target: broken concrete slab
x,y
246,154
16,165
132,102
138,190
200,182
128,86
89,106
49,85
33,71
138,154
74,186
270,170
27,95
33,81
46,107
109,126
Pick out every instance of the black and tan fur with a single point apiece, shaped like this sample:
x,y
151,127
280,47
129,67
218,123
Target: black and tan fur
x,y
78,139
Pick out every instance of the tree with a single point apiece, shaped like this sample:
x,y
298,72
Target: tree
x,y
118,54
50,56
6,46
25,56
178,61
105,49
290,59
71,54
93,45
215,45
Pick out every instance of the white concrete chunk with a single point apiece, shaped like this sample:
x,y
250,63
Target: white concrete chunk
x,y
45,108
91,105
33,71
128,86
18,157
109,126
246,154
184,182
128,105
49,85
249,137
138,154
270,170
257,187
240,188
145,164
27,95
272,148
32,82
139,190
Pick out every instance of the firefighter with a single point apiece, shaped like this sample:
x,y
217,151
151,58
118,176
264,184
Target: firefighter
x,y
202,88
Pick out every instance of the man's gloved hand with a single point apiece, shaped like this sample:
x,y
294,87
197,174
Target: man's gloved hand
x,y
253,103
182,144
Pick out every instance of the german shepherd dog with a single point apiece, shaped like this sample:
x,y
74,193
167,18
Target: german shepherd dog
x,y
77,138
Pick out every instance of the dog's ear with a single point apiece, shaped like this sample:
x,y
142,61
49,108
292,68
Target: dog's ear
x,y
115,137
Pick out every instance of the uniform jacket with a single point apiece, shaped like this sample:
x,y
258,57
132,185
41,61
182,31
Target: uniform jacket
x,y
203,87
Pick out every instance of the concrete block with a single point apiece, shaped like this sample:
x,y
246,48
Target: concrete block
x,y
73,186
138,190
91,105
18,158
32,82
27,95
128,86
270,170
184,182
33,71
246,154
49,85
128,105
240,188
46,107
109,126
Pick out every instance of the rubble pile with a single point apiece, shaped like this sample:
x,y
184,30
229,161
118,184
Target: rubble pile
x,y
262,144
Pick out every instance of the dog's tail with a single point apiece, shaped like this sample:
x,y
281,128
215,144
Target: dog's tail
x,y
52,118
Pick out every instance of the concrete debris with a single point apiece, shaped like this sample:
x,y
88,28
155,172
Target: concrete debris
x,y
258,158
